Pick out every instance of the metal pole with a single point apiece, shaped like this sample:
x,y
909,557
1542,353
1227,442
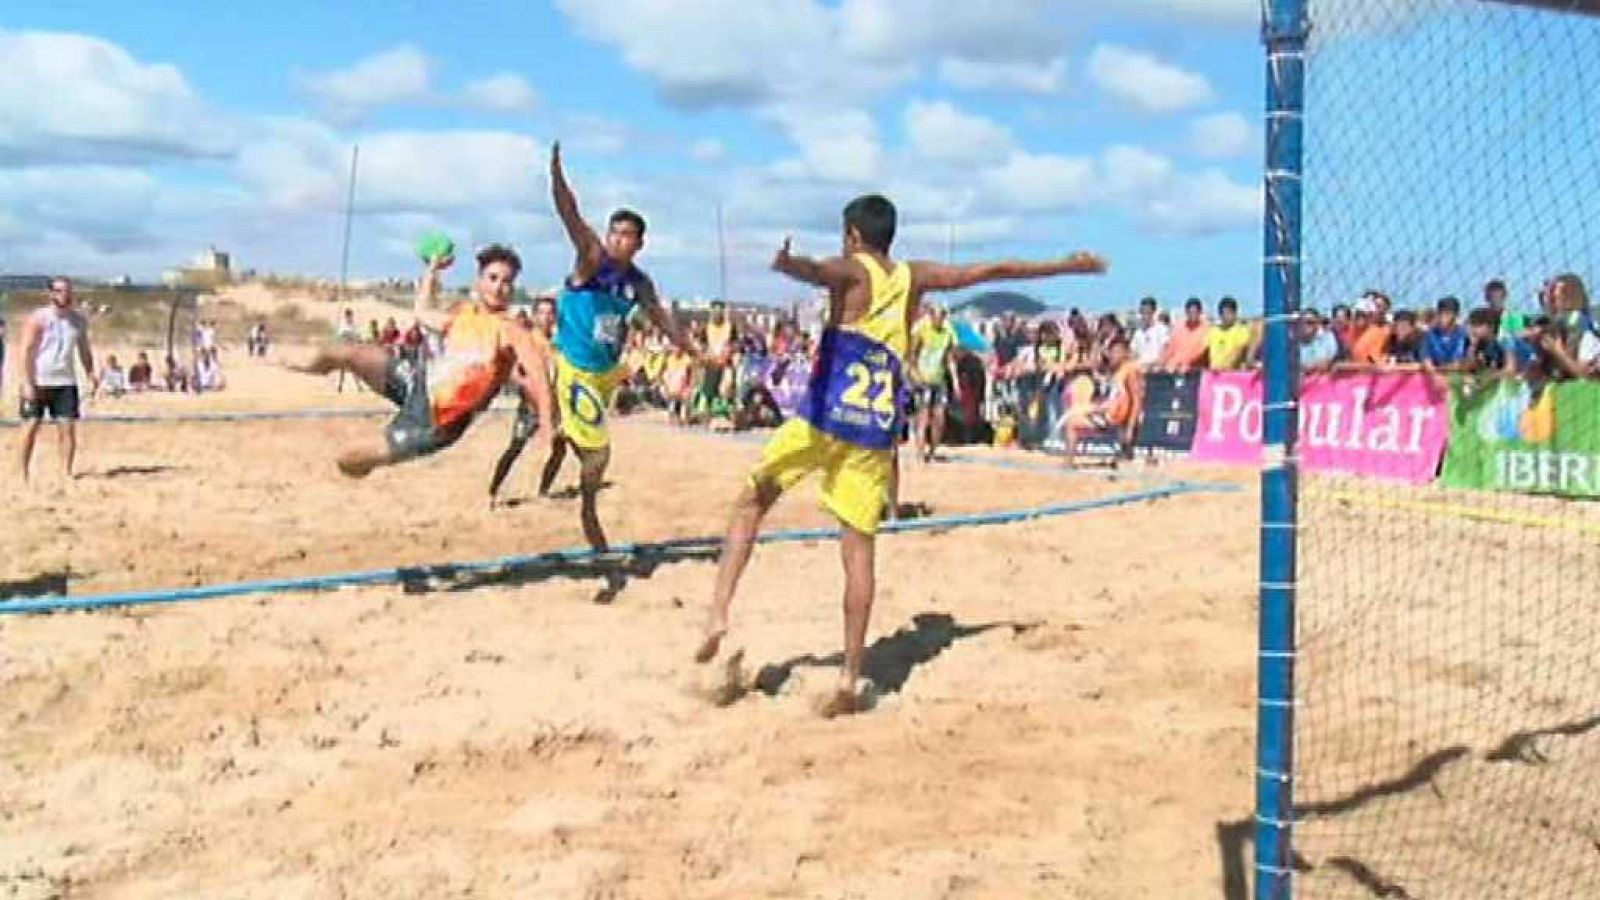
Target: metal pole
x,y
1284,33
349,216
722,258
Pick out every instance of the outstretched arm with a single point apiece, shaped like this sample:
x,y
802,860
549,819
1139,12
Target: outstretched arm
x,y
585,243
932,276
834,273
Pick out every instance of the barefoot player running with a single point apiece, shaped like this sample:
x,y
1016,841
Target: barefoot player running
x,y
847,426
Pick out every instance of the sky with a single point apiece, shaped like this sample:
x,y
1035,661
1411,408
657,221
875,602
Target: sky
x,y
133,136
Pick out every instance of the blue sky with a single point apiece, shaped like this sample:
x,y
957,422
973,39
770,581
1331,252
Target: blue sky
x,y
133,135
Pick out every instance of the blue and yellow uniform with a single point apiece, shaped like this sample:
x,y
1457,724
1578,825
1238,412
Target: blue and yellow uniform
x,y
849,421
591,333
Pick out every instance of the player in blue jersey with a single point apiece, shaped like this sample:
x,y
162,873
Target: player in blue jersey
x,y
848,425
599,298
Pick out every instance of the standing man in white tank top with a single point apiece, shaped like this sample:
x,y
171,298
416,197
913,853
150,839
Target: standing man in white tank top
x,y
51,336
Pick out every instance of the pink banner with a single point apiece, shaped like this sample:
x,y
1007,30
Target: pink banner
x,y
1388,425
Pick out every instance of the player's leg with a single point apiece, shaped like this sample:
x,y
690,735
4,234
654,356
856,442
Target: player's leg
x,y
919,424
30,436
409,435
521,431
852,489
502,466
358,460
858,551
938,406
552,466
592,463
371,364
794,451
64,410
749,508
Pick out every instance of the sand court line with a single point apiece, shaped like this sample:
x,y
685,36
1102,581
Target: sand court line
x,y
649,551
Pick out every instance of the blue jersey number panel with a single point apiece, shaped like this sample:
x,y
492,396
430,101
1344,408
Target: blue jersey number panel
x,y
854,394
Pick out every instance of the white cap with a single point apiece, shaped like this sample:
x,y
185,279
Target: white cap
x,y
1366,305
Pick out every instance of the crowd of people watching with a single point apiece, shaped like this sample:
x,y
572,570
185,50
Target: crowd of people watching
x,y
202,375
1085,376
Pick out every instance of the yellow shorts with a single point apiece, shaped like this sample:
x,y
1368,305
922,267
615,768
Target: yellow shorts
x,y
583,400
855,480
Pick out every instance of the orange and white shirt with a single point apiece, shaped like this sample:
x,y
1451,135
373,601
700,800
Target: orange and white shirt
x,y
476,359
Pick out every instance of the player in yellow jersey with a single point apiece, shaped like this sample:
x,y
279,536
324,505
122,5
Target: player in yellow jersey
x,y
438,399
850,420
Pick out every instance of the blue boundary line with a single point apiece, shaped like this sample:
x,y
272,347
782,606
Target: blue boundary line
x,y
241,416
651,550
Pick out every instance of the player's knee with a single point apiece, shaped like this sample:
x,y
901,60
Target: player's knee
x,y
593,469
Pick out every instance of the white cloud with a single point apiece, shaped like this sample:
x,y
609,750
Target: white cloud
x,y
840,145
1222,136
75,98
1134,172
1029,182
301,165
1204,203
783,52
714,52
941,133
592,134
1222,12
1166,200
1025,77
708,150
423,170
397,75
907,31
506,92
107,207
1146,82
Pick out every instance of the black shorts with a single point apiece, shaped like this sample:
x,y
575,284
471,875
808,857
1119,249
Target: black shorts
x,y
412,432
60,402
527,423
929,396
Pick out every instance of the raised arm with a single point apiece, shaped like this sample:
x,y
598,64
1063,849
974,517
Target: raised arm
x,y
933,276
834,273
422,307
585,243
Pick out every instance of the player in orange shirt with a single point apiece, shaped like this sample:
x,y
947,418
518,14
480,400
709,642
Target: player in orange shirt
x,y
483,348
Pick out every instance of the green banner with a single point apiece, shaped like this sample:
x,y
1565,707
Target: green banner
x,y
1507,436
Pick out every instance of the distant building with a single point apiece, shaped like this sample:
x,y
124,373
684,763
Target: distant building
x,y
211,269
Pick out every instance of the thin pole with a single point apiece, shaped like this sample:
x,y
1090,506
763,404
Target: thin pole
x,y
349,217
1284,32
722,258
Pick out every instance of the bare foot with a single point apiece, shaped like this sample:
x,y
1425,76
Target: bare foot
x,y
353,468
847,701
839,703
734,685
711,643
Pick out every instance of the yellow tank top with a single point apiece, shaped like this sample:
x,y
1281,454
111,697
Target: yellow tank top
x,y
885,318
718,337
